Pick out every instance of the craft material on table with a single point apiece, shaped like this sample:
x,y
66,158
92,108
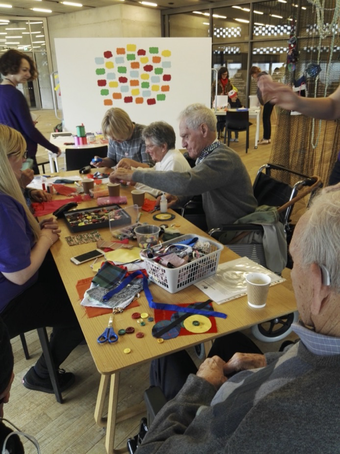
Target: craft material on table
x,y
229,282
108,336
83,238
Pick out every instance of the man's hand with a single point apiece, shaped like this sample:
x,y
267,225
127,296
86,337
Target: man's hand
x,y
38,195
172,200
212,370
26,177
120,173
244,361
105,162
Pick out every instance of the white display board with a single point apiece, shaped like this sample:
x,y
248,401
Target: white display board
x,y
152,79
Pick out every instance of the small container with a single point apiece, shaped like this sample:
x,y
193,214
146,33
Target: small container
x,y
147,235
163,204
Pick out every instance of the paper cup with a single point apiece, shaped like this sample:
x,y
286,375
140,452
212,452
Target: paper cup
x,y
87,185
257,289
114,189
138,197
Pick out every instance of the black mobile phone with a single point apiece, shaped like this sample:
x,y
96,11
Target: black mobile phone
x,y
82,258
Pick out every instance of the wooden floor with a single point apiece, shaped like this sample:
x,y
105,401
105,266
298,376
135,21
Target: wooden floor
x,y
70,427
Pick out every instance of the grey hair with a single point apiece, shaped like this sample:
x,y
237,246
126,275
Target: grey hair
x,y
320,239
160,133
197,114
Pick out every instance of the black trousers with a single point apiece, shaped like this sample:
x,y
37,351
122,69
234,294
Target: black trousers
x,y
46,303
170,372
267,127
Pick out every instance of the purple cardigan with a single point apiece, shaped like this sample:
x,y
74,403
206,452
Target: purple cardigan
x,y
14,112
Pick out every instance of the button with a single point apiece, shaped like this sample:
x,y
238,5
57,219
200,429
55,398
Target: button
x,y
196,323
142,323
129,330
127,350
135,315
121,332
144,315
139,335
160,340
150,319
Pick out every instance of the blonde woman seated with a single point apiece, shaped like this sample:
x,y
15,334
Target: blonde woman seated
x,y
32,292
160,139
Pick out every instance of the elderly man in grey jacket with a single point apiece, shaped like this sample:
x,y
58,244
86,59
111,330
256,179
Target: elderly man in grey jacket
x,y
219,174
278,402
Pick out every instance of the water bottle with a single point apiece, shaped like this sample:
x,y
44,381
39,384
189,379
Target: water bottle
x,y
163,204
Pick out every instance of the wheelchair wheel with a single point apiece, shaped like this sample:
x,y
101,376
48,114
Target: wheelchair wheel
x,y
200,351
276,329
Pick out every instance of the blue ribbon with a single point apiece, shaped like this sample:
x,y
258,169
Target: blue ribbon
x,y
162,306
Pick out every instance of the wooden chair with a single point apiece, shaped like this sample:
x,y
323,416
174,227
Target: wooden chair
x,y
76,158
237,121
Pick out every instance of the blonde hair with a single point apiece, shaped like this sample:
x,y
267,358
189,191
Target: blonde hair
x,y
117,124
12,143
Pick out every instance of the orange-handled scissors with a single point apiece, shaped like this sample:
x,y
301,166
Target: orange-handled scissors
x,y
108,335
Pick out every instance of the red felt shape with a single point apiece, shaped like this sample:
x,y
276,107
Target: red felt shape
x,y
149,205
160,315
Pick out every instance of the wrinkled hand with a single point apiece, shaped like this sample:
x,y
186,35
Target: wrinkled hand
x,y
120,173
171,199
277,93
127,163
105,162
244,361
38,195
212,370
26,177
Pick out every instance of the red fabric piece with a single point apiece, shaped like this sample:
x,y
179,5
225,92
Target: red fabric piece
x,y
149,205
64,190
40,209
166,315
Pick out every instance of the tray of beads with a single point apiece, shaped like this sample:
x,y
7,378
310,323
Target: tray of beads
x,y
96,218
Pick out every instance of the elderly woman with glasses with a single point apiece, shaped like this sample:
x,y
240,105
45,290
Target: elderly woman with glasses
x,y
32,293
160,141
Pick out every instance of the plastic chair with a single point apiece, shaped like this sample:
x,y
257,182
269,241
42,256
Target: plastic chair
x,y
76,158
237,121
277,186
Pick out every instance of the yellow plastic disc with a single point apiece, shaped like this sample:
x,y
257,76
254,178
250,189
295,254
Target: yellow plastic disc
x,y
127,350
197,324
144,315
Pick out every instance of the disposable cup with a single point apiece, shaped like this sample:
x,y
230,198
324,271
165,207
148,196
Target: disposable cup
x,y
138,197
147,235
257,289
114,189
87,185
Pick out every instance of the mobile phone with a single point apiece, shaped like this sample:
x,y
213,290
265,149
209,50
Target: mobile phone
x,y
82,258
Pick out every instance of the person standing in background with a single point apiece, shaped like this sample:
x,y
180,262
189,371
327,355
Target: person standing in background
x,y
255,71
18,68
224,85
235,103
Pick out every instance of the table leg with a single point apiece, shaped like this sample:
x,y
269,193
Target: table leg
x,y
257,134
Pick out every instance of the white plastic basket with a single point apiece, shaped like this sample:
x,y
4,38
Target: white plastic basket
x,y
175,279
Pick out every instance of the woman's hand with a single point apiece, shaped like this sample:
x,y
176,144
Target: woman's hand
x,y
50,223
38,195
26,178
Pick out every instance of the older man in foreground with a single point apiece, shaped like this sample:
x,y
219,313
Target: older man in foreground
x,y
279,402
219,174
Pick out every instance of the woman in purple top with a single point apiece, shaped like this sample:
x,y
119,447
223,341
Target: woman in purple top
x,y
19,68
32,293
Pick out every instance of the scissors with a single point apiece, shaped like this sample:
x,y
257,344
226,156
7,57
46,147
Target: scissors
x,y
108,335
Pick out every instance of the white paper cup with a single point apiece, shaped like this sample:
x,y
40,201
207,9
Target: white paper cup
x,y
257,289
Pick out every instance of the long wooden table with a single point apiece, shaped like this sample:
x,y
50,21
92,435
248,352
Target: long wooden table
x,y
111,359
